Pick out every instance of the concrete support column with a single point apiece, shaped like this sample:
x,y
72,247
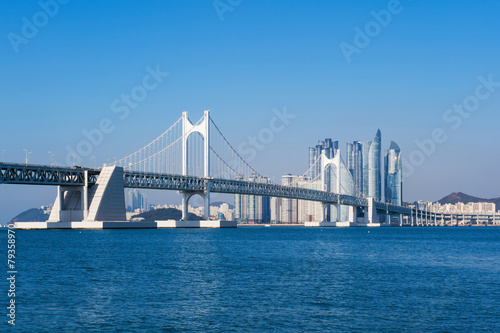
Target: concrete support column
x,y
185,199
371,212
400,219
86,194
353,213
339,211
207,202
323,212
60,197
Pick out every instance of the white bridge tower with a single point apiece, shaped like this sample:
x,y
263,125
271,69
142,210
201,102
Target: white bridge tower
x,y
203,128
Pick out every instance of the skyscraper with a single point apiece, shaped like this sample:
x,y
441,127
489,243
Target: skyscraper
x,y
354,164
136,200
393,175
372,183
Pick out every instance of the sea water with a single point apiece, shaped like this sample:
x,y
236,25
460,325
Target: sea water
x,y
287,279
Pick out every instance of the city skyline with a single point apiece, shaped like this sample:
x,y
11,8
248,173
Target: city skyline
x,y
361,173
254,69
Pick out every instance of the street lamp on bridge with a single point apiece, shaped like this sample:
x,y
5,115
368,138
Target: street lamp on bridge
x,y
51,156
27,155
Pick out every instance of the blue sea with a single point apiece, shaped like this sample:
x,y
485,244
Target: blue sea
x,y
253,279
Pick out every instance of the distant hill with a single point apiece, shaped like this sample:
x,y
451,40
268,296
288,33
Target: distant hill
x,y
31,215
465,198
165,214
218,203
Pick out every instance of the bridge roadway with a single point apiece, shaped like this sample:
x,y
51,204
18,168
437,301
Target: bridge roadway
x,y
32,174
66,176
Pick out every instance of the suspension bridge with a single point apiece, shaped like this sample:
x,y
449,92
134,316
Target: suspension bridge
x,y
197,159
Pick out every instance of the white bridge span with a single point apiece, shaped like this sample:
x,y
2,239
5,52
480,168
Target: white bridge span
x,y
192,158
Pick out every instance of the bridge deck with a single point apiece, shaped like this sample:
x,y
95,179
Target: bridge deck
x,y
44,175
66,176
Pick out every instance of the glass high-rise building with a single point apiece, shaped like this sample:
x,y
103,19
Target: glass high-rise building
x,y
393,175
354,164
136,200
372,176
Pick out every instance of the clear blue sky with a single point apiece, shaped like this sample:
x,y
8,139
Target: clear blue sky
x,y
262,56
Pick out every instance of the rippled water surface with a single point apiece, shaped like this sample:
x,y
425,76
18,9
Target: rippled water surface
x,y
258,279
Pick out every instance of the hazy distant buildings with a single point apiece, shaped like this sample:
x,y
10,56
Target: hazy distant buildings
x,y
222,212
136,200
393,175
285,210
225,213
289,207
459,207
276,204
252,208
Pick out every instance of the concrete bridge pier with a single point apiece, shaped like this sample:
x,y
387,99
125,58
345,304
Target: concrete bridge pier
x,y
371,212
186,195
68,205
353,213
103,201
324,211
